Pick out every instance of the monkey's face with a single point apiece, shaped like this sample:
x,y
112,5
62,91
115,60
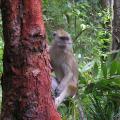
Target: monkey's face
x,y
62,39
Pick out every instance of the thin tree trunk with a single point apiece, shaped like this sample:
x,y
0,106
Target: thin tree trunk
x,y
26,79
116,26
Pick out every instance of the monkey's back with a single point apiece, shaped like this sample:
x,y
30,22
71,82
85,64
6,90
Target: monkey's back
x,y
60,58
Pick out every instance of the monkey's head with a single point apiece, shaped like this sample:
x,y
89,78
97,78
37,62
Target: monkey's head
x,y
62,39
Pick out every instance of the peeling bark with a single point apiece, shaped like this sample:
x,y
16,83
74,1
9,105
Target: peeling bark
x,y
26,76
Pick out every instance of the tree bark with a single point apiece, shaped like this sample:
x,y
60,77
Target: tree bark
x,y
116,25
106,3
26,81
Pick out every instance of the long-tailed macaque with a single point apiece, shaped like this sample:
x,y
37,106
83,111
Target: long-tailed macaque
x,y
64,66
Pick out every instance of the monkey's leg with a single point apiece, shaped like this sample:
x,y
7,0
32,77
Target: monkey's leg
x,y
61,98
70,90
64,82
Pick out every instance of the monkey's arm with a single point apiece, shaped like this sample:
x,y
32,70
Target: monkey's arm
x,y
67,77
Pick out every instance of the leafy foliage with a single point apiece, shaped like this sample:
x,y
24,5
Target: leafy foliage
x,y
87,23
104,91
98,96
99,76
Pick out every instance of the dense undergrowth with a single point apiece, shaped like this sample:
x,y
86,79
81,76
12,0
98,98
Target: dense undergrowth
x,y
98,96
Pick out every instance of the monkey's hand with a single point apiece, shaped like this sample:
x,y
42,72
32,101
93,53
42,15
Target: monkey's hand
x,y
59,89
57,92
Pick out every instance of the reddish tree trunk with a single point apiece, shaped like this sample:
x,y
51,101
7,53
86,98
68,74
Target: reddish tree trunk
x,y
26,79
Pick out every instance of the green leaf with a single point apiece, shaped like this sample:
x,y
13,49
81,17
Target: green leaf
x,y
104,69
95,69
113,68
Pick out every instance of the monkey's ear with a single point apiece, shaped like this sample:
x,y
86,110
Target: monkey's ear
x,y
54,33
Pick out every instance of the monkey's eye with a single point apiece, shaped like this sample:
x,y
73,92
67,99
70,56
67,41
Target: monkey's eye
x,y
64,38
